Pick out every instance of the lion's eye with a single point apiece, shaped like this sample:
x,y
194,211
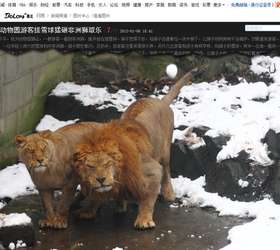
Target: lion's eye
x,y
91,167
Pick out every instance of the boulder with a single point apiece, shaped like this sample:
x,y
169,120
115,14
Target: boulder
x,y
272,139
237,178
106,68
99,69
68,108
188,162
16,230
214,145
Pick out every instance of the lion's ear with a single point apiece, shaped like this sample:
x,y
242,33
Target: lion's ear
x,y
20,141
45,133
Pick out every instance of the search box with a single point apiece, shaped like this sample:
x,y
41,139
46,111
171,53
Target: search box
x,y
262,28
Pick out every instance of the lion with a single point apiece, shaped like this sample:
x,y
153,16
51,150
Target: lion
x,y
130,157
47,156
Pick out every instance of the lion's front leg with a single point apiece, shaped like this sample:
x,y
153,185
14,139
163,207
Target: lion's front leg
x,y
63,207
47,200
144,218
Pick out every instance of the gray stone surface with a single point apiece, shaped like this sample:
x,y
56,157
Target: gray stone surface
x,y
2,68
11,67
1,99
17,94
25,81
29,61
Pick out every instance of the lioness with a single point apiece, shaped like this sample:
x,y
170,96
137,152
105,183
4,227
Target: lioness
x,y
47,156
131,156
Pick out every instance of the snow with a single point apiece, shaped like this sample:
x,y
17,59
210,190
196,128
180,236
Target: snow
x,y
267,64
242,183
22,184
259,234
230,111
89,95
263,234
48,122
117,248
2,204
14,219
171,71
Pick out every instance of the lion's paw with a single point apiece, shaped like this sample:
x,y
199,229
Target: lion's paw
x,y
43,223
144,224
56,222
60,222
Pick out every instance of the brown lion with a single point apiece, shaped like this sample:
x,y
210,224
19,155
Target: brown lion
x,y
130,157
47,156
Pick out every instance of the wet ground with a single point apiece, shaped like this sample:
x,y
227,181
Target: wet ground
x,y
177,228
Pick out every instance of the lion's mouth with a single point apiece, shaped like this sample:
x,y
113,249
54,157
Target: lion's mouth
x,y
103,188
40,168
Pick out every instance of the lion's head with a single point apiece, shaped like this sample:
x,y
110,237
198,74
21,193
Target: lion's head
x,y
112,161
34,150
97,169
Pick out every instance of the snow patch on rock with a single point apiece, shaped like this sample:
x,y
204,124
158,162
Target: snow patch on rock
x,y
21,183
48,122
14,219
100,97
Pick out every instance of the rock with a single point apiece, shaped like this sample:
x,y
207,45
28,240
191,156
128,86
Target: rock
x,y
237,178
200,131
214,145
106,67
272,140
99,69
15,234
68,108
274,182
16,230
188,162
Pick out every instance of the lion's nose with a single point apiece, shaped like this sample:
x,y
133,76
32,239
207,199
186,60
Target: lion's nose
x,y
101,180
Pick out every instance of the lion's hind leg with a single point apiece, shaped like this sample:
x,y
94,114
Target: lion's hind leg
x,y
166,186
153,174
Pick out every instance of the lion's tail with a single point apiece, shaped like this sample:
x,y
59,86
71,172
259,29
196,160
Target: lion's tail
x,y
185,80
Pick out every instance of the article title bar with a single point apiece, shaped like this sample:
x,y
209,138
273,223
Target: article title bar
x,y
139,11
